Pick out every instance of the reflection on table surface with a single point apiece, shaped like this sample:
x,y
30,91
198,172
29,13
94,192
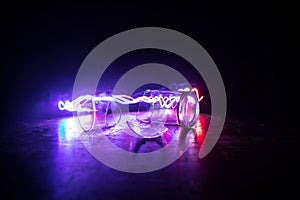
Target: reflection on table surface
x,y
69,133
48,159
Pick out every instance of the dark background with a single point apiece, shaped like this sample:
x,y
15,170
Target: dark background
x,y
44,46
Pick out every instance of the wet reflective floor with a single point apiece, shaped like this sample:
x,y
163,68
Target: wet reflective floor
x,y
47,159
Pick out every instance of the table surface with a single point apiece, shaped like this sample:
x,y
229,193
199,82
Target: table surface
x,y
46,159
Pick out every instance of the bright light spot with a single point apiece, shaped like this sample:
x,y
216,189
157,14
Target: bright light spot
x,y
68,129
184,90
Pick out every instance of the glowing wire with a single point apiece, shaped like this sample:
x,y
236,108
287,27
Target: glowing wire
x,y
197,94
164,101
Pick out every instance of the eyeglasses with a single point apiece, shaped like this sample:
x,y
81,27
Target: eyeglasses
x,y
147,114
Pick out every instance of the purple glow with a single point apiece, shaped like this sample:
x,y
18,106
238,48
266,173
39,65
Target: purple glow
x,y
155,109
164,101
